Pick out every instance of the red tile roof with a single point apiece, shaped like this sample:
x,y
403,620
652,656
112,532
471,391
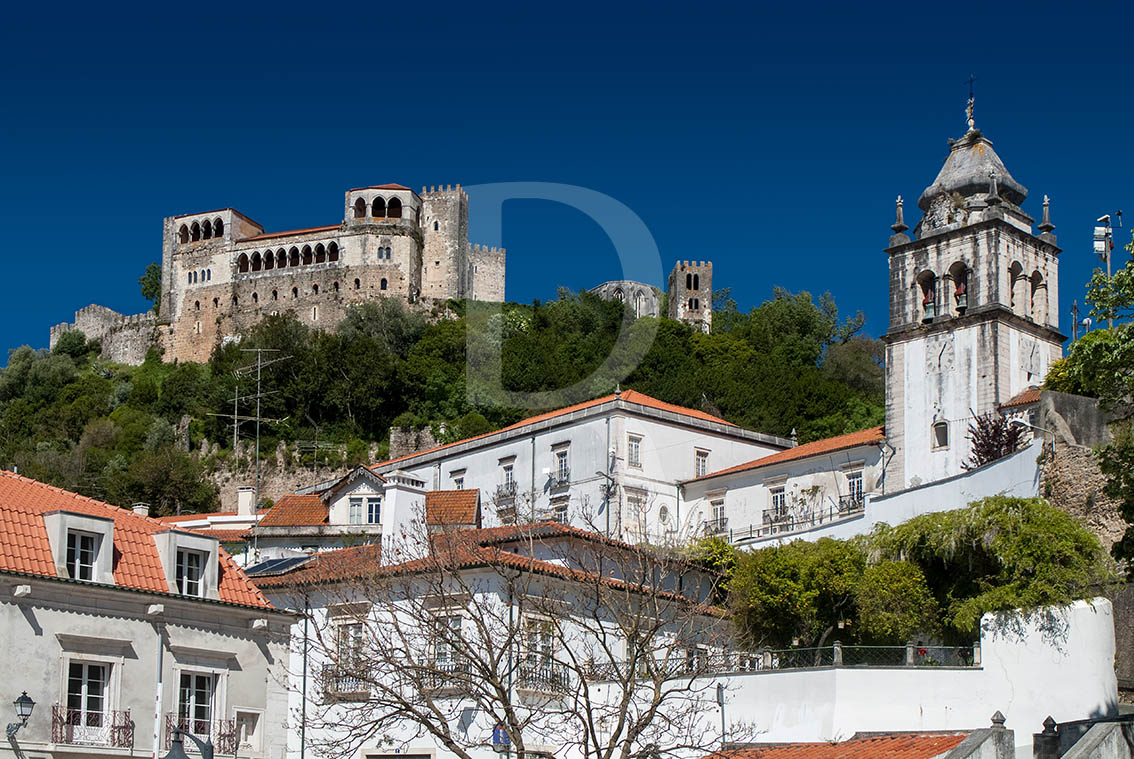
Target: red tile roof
x,y
1027,397
285,233
175,518
342,565
871,436
451,507
222,534
294,510
890,746
628,396
24,546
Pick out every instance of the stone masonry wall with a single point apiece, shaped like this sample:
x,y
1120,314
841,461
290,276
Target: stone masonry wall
x,y
487,275
125,339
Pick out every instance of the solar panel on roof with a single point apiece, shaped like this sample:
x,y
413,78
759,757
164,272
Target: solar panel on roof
x,y
276,566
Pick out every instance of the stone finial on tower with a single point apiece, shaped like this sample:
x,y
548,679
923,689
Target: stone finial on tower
x,y
899,225
972,102
1045,226
993,189
998,720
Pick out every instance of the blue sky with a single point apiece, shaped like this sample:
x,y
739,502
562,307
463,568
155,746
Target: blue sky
x,y
771,141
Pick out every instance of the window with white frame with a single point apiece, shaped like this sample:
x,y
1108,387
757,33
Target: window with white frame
x,y
538,642
446,633
459,482
701,463
779,502
354,515
373,510
190,572
854,486
87,695
634,451
559,510
508,476
940,436
719,514
82,551
562,467
348,643
195,702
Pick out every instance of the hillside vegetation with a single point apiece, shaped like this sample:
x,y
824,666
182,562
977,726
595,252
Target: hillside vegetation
x,y
119,433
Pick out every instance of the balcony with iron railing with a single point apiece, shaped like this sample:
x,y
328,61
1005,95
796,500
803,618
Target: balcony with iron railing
x,y
448,675
715,526
76,727
544,675
561,477
506,491
222,732
344,683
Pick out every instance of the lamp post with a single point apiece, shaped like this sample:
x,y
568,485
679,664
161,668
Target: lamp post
x,y
720,702
24,706
607,492
177,748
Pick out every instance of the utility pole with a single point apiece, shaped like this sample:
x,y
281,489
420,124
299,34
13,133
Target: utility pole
x,y
1074,320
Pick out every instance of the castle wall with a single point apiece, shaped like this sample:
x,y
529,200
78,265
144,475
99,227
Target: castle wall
x,y
125,339
643,299
486,273
445,250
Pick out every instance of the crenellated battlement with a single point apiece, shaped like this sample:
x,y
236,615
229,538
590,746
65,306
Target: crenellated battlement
x,y
484,249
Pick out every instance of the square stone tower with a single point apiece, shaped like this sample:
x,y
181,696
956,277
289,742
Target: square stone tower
x,y
445,251
691,294
973,311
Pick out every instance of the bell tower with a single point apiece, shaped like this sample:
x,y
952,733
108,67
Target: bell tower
x,y
973,310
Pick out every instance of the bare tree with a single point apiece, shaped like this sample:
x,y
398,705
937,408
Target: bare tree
x,y
563,640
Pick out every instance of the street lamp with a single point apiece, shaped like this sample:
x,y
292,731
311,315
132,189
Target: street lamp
x,y
720,702
24,706
177,748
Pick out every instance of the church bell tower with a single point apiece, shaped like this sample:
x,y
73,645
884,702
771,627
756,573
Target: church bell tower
x,y
973,310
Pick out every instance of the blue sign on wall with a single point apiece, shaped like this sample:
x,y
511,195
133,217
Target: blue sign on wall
x,y
500,736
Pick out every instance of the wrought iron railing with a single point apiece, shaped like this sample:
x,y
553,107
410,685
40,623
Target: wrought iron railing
x,y
715,526
837,655
222,732
452,674
548,676
846,507
561,478
506,491
84,728
851,504
342,682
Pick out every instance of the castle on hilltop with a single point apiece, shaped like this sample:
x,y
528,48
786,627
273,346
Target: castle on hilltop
x,y
222,273
689,296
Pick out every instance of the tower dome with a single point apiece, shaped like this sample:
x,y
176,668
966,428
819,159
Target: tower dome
x,y
967,173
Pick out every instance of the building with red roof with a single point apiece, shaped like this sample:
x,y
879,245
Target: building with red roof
x,y
103,608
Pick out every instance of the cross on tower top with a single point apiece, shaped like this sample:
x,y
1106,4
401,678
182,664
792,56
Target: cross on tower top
x,y
972,101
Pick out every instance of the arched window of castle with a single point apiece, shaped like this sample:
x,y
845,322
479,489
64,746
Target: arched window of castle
x,y
196,305
436,225
1016,281
639,301
216,302
315,289
202,275
235,301
189,278
269,260
183,234
207,229
619,295
336,286
360,209
1038,302
382,284
378,209
255,297
295,292
257,262
275,294
688,281
927,295
242,263
958,286
696,281
394,209
333,252
306,254
388,253
209,274
293,257
218,228
357,284
281,258
320,254
195,232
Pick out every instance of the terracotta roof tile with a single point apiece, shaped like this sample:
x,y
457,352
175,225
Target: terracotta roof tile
x,y
222,534
175,518
1029,396
889,746
628,396
24,545
294,510
287,232
452,507
332,566
871,436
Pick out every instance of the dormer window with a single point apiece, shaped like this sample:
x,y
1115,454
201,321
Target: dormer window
x,y
190,572
82,552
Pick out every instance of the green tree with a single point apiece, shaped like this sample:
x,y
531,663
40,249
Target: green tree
x,y
150,282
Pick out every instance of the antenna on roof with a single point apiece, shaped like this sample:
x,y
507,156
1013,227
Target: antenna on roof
x,y
972,101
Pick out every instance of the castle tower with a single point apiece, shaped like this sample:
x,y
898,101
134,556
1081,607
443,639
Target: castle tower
x,y
691,294
973,311
445,253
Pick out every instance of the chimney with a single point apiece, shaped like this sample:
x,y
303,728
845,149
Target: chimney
x,y
246,501
142,509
